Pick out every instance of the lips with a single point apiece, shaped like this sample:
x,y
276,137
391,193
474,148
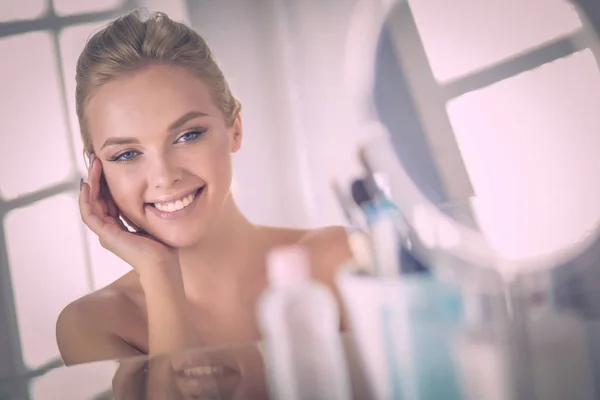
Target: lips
x,y
199,362
178,204
200,371
203,374
176,208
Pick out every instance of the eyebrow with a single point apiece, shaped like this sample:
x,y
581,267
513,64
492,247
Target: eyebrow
x,y
178,123
185,118
121,140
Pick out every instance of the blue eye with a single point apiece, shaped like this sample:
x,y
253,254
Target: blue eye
x,y
190,136
125,156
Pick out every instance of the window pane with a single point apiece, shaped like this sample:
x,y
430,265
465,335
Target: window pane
x,y
530,145
462,36
68,7
72,40
11,10
47,267
34,147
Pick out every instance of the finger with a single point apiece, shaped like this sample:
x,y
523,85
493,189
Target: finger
x,y
86,210
106,227
94,175
111,206
97,223
113,237
95,179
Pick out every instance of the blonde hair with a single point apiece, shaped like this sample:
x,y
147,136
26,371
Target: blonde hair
x,y
132,42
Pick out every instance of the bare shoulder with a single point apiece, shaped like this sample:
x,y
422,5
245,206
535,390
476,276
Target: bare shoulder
x,y
327,245
85,329
323,244
325,236
329,250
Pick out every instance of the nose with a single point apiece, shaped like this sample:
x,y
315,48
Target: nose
x,y
164,172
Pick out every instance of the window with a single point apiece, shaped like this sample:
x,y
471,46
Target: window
x,y
530,145
40,168
464,36
518,80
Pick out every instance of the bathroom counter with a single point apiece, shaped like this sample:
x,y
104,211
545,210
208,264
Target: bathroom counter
x,y
232,372
238,372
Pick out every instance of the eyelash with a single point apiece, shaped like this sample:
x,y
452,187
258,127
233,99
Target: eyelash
x,y
197,134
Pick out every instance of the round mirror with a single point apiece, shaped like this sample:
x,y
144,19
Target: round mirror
x,y
486,121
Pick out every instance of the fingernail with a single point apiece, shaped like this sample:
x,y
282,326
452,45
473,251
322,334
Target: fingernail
x,y
93,158
80,184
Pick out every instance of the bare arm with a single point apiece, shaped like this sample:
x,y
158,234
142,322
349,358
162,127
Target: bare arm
x,y
80,339
169,321
82,336
169,328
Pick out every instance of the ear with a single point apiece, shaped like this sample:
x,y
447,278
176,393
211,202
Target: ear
x,y
237,133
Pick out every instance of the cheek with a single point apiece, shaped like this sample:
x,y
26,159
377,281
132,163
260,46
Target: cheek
x,y
221,167
123,188
215,164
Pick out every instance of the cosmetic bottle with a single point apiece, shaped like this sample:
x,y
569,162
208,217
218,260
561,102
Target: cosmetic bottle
x,y
390,235
299,322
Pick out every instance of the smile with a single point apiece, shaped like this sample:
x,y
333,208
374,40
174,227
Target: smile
x,y
176,208
205,371
176,205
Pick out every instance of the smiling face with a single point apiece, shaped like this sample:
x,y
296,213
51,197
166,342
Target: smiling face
x,y
165,150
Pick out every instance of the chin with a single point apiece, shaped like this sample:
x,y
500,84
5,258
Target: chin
x,y
180,240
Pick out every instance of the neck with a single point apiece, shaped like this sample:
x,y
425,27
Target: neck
x,y
225,255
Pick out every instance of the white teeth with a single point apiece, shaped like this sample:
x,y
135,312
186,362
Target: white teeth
x,y
176,205
204,371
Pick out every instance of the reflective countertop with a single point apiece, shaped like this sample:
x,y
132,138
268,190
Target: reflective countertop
x,y
228,372
540,358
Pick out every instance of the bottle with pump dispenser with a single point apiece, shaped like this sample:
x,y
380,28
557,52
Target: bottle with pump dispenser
x,y
299,322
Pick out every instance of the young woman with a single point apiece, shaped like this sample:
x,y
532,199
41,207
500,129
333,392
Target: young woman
x,y
159,124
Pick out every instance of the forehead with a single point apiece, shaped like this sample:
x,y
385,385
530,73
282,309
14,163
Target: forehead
x,y
149,99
